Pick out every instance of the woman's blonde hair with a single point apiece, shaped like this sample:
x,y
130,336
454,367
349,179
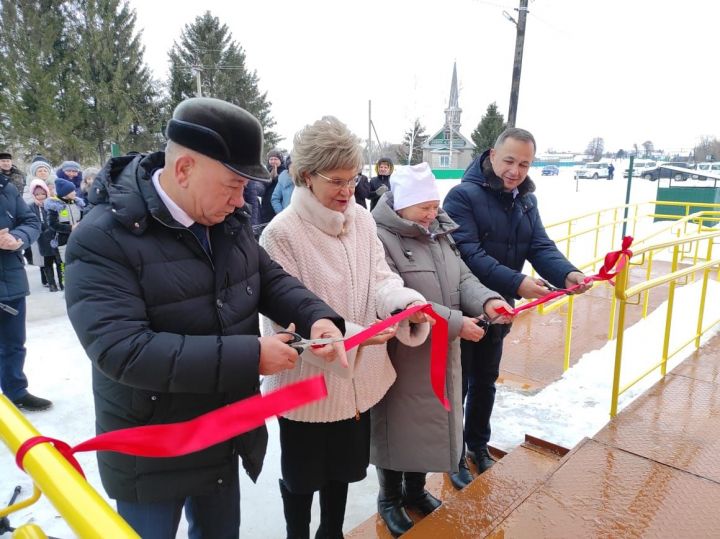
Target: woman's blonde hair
x,y
325,145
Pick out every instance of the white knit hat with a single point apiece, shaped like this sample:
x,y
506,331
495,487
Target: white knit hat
x,y
412,185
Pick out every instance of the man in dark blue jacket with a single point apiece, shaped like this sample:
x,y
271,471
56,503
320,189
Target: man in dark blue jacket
x,y
499,229
164,285
19,227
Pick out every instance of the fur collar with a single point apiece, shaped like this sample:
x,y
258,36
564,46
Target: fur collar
x,y
309,208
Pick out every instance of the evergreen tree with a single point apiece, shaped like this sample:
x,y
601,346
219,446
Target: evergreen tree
x,y
120,100
491,125
206,46
35,56
414,138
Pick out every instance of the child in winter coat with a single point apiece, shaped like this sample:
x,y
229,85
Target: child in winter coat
x,y
63,212
44,255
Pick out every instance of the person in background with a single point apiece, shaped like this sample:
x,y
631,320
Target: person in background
x,y
324,239
12,172
71,171
499,229
275,166
64,212
412,434
44,254
284,188
362,189
611,171
164,285
381,183
89,175
18,229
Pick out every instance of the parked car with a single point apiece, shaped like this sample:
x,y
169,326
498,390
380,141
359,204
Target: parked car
x,y
711,168
592,170
639,166
550,170
654,174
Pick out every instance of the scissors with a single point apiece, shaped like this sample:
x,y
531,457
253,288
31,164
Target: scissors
x,y
299,343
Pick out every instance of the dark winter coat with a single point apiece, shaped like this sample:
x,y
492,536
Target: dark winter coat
x,y
378,186
77,180
267,212
362,190
498,231
18,218
411,431
253,191
62,215
172,333
16,177
43,242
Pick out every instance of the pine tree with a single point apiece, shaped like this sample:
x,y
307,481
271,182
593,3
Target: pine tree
x,y
34,59
120,96
414,137
491,125
206,46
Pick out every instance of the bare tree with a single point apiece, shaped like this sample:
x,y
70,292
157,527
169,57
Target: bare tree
x,y
595,148
649,148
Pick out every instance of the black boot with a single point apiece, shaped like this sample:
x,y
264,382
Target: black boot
x,y
481,459
297,512
462,477
415,496
390,502
333,498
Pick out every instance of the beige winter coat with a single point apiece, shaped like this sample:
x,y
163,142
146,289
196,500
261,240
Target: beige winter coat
x,y
411,431
338,256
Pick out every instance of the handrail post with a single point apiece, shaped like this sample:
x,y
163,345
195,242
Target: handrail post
x,y
568,333
620,287
668,315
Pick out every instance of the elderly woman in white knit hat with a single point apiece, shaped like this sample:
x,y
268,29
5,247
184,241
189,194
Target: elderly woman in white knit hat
x,y
330,243
412,434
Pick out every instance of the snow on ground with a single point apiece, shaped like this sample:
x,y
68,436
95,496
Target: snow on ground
x,y
564,412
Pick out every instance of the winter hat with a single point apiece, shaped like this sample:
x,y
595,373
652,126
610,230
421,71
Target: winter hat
x,y
38,165
70,165
64,187
37,158
37,182
5,155
275,153
412,185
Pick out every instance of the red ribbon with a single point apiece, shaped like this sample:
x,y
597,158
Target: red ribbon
x,y
176,439
438,345
614,259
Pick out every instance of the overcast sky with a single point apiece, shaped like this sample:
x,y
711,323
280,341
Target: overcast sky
x,y
591,68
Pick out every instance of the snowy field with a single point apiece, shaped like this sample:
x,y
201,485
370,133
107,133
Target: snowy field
x,y
575,406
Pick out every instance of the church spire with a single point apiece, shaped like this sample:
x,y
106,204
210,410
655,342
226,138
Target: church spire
x,y
452,113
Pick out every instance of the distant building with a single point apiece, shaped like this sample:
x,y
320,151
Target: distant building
x,y
443,151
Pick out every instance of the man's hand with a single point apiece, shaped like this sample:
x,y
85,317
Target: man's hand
x,y
577,277
420,317
470,331
275,355
325,329
532,288
8,242
491,310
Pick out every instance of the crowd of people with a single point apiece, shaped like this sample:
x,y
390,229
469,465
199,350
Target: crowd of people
x,y
203,261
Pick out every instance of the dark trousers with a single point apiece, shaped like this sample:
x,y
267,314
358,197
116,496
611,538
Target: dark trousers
x,y
215,516
47,270
12,350
480,370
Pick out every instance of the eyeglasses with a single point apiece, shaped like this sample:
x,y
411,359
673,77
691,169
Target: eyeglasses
x,y
340,184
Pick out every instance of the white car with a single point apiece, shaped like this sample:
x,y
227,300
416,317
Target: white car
x,y
640,166
711,168
592,170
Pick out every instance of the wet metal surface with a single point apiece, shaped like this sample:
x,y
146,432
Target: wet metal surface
x,y
533,352
603,491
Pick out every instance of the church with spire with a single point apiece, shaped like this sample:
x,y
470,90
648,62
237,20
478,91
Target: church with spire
x,y
448,149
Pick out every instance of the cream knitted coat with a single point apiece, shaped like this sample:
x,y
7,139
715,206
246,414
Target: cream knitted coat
x,y
339,257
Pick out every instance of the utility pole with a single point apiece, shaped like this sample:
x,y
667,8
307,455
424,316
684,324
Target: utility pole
x,y
517,64
198,80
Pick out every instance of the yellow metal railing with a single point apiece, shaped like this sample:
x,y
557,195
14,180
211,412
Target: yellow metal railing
x,y
604,229
85,511
676,275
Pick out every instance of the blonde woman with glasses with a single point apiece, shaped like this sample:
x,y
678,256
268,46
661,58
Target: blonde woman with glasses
x,y
330,243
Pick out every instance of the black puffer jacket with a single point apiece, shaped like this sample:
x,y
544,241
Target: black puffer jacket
x,y
498,231
18,218
171,334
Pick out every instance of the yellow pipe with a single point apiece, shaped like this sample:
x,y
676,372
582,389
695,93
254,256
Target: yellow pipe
x,y
29,531
5,511
87,514
613,311
668,315
620,285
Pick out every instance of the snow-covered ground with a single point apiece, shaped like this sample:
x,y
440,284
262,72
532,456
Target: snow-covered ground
x,y
573,407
